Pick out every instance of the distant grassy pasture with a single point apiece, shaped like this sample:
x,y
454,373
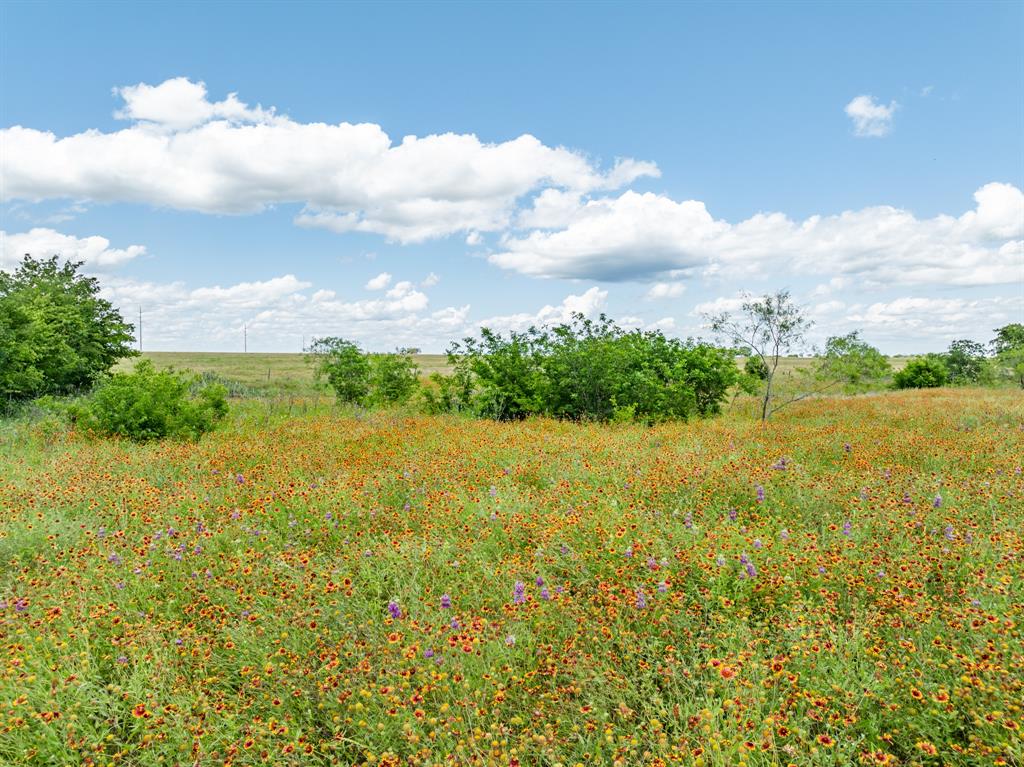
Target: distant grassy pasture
x,y
264,373
289,374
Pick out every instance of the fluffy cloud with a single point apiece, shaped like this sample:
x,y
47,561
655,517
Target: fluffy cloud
x,y
626,237
646,236
379,282
870,119
179,103
665,290
589,304
187,152
95,251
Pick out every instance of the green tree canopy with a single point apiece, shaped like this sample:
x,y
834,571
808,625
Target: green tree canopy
x,y
56,334
966,362
1008,346
852,361
344,366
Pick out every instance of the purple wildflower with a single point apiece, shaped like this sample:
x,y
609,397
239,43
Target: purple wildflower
x,y
937,502
519,593
446,602
760,494
394,610
641,599
733,514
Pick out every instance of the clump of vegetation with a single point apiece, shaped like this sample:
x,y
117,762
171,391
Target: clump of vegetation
x,y
1008,347
594,371
343,366
359,378
147,404
449,393
926,372
57,336
852,362
394,378
966,363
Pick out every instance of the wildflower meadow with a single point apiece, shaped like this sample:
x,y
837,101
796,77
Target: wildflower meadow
x,y
842,585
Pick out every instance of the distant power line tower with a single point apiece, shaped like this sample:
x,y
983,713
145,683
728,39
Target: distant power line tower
x,y
140,328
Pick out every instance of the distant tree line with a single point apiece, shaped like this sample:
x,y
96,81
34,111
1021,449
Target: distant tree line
x,y
58,337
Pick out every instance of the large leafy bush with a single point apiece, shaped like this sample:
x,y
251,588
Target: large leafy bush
x,y
393,378
594,370
147,404
926,372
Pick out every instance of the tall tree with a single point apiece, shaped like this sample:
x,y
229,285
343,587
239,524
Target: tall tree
x,y
56,334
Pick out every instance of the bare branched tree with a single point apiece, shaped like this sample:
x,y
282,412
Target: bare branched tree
x,y
771,327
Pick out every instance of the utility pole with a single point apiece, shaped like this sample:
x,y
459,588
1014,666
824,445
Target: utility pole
x,y
140,328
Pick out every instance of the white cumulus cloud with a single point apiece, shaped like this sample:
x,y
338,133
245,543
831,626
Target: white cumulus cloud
x,y
182,150
379,282
589,303
650,236
870,118
665,290
94,251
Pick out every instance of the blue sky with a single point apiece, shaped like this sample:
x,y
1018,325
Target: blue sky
x,y
867,156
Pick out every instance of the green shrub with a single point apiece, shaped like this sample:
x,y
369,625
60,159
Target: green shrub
x,y
147,404
344,366
852,362
594,370
449,393
922,373
755,367
393,378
